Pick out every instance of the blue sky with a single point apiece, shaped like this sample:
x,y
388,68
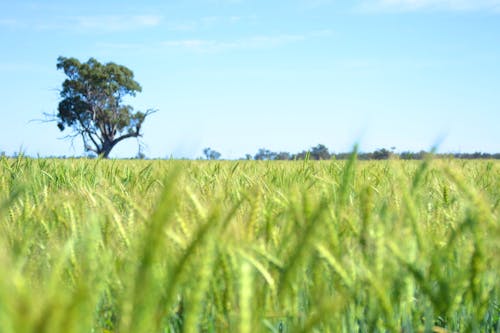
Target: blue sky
x,y
239,75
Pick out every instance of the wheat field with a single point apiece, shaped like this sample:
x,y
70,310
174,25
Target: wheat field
x,y
249,246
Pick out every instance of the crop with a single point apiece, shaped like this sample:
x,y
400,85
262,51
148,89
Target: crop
x,y
249,246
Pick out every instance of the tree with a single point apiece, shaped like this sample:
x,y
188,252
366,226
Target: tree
x,y
283,156
92,104
211,154
320,152
381,154
265,154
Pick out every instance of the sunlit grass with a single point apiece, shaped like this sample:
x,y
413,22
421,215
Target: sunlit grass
x,y
249,246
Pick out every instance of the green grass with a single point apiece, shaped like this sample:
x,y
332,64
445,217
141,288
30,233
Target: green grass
x,y
248,246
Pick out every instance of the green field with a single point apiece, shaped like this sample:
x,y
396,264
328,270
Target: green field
x,y
247,246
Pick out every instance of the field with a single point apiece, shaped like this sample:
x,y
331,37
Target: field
x,y
249,246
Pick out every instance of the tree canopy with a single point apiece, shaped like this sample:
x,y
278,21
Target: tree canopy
x,y
92,104
211,154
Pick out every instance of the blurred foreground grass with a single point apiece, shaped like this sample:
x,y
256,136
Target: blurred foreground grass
x,y
171,246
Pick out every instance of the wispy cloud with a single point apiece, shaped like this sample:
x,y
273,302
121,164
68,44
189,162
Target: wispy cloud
x,y
16,67
208,22
206,45
116,22
97,23
195,44
313,4
121,46
252,42
10,23
440,5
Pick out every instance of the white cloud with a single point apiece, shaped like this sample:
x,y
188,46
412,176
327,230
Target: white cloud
x,y
100,23
122,46
208,22
16,67
116,22
217,45
10,23
212,45
312,4
441,5
182,26
192,43
262,41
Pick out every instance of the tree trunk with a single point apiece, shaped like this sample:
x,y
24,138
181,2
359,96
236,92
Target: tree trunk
x,y
106,149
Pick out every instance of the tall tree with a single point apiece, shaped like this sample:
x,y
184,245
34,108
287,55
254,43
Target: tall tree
x,y
211,154
92,104
320,152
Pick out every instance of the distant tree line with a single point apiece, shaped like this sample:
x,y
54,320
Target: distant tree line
x,y
321,152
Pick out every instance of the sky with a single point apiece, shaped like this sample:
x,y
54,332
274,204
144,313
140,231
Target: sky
x,y
239,75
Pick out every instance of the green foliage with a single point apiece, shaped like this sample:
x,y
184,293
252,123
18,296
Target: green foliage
x,y
92,103
249,246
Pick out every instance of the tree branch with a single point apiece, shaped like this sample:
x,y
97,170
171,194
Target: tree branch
x,y
86,130
126,136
